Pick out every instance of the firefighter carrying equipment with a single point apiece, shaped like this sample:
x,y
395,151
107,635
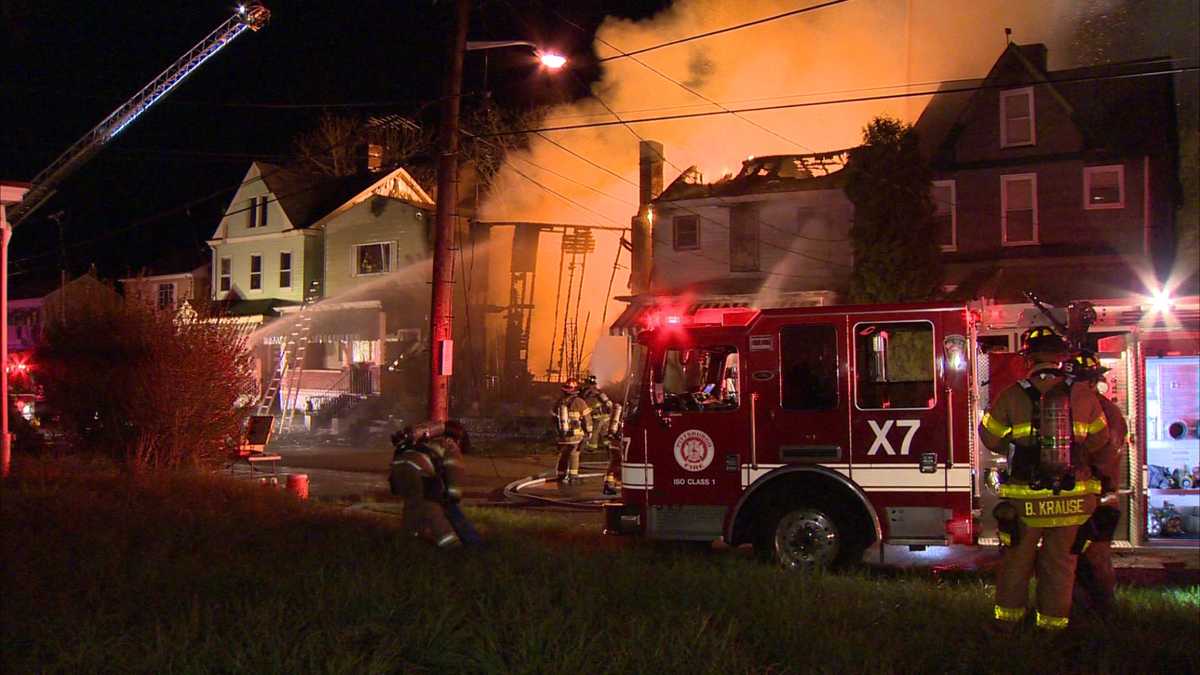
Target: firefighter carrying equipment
x,y
573,417
427,472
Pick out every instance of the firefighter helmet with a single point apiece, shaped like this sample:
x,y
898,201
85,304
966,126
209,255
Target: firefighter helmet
x,y
1085,366
1042,340
571,386
591,379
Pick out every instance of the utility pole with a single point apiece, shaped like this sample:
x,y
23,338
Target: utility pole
x,y
441,353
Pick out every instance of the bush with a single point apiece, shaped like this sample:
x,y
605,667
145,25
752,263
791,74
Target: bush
x,y
149,388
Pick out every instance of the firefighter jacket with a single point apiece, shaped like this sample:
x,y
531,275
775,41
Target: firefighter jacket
x,y
1009,420
1111,458
438,462
574,418
597,400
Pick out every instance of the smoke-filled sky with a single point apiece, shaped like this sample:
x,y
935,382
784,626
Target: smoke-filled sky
x,y
853,49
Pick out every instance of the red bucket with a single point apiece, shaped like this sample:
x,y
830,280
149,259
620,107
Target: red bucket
x,y
297,484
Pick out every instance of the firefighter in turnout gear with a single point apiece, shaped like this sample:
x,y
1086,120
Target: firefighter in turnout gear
x,y
1054,433
427,471
574,421
602,409
1095,580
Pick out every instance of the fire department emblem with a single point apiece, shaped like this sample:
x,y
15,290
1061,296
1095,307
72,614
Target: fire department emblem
x,y
694,450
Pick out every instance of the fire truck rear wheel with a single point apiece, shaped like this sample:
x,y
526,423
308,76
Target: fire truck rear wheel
x,y
805,536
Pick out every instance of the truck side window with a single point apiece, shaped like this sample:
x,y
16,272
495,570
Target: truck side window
x,y
700,379
809,371
894,365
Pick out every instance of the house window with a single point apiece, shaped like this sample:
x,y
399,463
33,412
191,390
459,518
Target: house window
x,y
945,214
262,211
1018,205
1016,118
166,296
743,238
252,218
687,232
285,269
225,275
1104,187
372,258
256,272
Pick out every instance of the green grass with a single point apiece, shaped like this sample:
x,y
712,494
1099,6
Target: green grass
x,y
191,574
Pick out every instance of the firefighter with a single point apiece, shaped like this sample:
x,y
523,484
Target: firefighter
x,y
602,409
1095,580
1054,434
427,471
574,420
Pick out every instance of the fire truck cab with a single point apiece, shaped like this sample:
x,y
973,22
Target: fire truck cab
x,y
810,433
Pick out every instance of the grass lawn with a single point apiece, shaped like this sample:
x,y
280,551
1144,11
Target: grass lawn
x,y
188,573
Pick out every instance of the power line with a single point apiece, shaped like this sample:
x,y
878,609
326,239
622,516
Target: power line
x,y
727,29
810,104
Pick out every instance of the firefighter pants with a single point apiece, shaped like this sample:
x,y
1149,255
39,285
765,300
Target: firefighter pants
x,y
568,460
1055,567
612,475
599,437
1095,577
423,518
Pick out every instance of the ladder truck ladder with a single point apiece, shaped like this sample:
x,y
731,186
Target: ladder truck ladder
x,y
252,16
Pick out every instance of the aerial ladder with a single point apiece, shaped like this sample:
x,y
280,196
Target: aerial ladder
x,y
247,17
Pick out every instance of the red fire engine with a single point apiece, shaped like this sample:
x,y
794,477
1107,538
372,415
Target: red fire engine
x,y
810,433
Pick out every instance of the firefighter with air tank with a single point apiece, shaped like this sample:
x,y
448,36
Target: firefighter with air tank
x,y
1056,438
573,420
427,471
606,419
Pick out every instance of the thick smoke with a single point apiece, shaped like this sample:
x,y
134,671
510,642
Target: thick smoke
x,y
855,49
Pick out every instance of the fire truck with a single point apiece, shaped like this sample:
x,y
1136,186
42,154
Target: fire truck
x,y
810,433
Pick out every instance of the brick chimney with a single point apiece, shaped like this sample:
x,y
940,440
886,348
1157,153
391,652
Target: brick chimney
x,y
650,185
374,158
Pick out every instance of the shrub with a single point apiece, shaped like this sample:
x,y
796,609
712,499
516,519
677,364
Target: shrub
x,y
149,388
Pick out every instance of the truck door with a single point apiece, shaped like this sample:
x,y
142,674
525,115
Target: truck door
x,y
803,412
898,429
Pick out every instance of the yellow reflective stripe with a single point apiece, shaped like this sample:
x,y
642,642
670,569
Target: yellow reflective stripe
x,y
1023,491
1022,430
1055,521
994,426
1097,425
1086,544
1009,613
1005,539
1051,622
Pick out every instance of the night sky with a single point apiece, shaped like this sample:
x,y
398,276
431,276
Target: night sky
x,y
68,64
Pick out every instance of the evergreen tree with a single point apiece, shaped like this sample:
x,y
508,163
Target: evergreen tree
x,y
896,255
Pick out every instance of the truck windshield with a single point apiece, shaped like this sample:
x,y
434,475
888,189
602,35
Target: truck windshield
x,y
698,378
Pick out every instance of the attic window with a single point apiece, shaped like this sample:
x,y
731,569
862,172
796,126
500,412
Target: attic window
x,y
1104,187
252,219
1016,118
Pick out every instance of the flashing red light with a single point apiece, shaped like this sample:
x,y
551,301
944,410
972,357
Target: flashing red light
x,y
674,320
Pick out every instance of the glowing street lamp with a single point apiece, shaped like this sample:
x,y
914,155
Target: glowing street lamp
x,y
552,61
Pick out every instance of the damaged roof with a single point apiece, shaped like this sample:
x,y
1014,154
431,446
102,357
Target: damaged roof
x,y
766,174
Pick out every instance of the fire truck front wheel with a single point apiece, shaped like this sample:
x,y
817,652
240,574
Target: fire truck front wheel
x,y
805,535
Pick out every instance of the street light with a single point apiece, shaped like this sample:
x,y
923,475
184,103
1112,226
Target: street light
x,y
441,353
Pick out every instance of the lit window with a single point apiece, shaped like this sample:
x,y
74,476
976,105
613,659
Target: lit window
x,y
166,296
1104,187
945,214
252,218
285,269
894,365
687,232
1019,217
256,272
1016,118
226,275
372,258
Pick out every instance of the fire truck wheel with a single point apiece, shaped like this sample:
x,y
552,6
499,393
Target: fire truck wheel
x,y
801,536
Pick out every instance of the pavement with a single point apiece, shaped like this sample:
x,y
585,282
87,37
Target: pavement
x,y
352,475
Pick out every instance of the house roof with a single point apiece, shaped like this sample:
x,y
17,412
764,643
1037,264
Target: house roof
x,y
264,307
308,198
1117,107
763,175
